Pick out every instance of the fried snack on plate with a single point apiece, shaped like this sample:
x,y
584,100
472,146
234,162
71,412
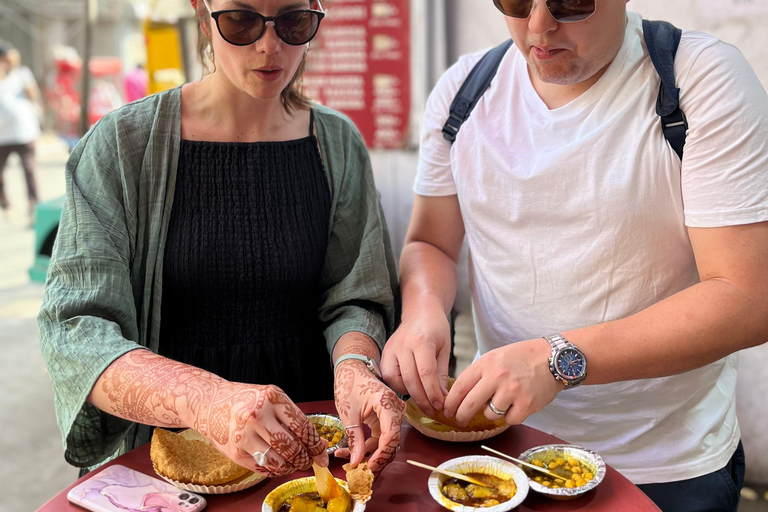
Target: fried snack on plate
x,y
359,481
191,461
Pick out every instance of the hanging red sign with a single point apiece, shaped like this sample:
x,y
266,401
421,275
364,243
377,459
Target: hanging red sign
x,y
360,65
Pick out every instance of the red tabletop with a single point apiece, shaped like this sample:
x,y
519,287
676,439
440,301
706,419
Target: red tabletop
x,y
402,487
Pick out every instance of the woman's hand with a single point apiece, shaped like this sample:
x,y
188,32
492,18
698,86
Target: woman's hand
x,y
516,378
363,398
243,419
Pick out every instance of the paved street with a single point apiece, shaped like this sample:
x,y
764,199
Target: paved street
x,y
32,466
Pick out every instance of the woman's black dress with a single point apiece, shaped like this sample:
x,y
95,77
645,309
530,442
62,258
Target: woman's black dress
x,y
241,274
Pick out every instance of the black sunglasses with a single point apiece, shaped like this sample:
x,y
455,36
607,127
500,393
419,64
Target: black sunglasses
x,y
564,11
241,27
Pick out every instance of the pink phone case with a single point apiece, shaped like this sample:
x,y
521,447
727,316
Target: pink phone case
x,y
121,489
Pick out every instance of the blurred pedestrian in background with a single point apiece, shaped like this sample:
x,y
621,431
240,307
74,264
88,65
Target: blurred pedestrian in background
x,y
19,122
136,83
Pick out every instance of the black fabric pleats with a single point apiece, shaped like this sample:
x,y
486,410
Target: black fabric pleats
x,y
243,257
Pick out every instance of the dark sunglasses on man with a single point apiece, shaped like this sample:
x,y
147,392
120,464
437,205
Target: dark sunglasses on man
x,y
241,27
564,11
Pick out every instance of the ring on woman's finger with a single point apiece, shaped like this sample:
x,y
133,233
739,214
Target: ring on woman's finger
x,y
261,457
351,426
495,409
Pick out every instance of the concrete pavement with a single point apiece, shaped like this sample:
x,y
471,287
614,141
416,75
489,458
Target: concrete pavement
x,y
32,466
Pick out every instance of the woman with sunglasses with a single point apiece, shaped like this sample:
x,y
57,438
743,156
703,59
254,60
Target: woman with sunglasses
x,y
221,245
612,282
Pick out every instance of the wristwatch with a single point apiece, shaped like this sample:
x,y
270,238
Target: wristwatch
x,y
567,364
369,362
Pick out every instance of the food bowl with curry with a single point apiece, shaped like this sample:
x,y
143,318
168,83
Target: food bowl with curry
x,y
580,470
505,486
330,428
331,495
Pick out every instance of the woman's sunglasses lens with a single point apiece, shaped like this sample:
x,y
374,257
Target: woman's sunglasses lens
x,y
570,11
240,27
514,8
298,27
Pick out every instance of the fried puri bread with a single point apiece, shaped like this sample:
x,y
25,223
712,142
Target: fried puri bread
x,y
191,461
359,481
477,423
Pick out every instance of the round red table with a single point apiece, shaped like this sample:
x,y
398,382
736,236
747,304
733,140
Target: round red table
x,y
402,487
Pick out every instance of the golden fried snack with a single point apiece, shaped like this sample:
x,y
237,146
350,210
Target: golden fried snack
x,y
477,423
359,481
191,461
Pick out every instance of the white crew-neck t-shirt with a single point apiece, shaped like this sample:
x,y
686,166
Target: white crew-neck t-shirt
x,y
577,216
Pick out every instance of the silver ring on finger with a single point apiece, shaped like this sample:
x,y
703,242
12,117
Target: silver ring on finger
x,y
495,409
261,457
352,426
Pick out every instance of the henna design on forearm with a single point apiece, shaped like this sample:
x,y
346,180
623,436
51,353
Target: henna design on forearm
x,y
153,390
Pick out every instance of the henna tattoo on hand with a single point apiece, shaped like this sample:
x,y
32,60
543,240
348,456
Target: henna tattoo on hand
x,y
345,377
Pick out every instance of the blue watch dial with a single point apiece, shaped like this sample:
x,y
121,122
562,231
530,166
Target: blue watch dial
x,y
570,363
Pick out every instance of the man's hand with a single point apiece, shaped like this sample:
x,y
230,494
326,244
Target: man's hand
x,y
415,359
362,398
515,377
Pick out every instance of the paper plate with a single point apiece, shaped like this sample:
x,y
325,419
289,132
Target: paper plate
x,y
485,465
300,486
248,480
435,430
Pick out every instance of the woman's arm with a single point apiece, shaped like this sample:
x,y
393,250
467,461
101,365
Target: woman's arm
x,y
239,419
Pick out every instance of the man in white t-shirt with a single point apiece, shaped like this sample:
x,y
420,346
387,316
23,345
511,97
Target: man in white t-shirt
x,y
584,226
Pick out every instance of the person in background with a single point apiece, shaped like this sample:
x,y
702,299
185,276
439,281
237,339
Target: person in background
x,y
222,254
136,84
593,244
19,122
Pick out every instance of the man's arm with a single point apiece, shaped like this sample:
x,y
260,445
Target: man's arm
x,y
415,359
722,314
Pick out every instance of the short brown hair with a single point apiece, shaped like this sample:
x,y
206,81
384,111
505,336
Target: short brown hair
x,y
292,97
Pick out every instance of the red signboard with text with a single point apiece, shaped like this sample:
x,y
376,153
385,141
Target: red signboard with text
x,y
360,65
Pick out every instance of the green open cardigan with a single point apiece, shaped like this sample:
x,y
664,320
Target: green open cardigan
x,y
104,288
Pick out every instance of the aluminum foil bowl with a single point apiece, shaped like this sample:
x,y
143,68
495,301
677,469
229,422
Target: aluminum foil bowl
x,y
479,464
330,420
587,459
277,496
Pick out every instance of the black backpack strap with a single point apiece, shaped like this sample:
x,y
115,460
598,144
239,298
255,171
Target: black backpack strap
x,y
662,40
477,82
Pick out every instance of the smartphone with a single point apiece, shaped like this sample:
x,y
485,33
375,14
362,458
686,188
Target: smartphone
x,y
121,489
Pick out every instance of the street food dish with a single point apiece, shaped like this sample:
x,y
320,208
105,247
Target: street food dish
x,y
191,461
509,484
581,470
330,428
301,495
359,481
187,458
438,426
472,495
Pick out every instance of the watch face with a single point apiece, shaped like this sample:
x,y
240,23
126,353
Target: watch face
x,y
570,363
